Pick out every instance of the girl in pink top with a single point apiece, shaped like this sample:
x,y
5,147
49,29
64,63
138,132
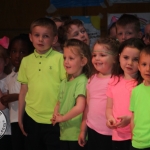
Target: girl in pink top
x,y
104,55
124,78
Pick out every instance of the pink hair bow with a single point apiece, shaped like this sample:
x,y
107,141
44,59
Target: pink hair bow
x,y
4,42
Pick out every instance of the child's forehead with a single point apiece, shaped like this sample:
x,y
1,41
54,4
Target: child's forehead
x,y
76,26
130,26
43,27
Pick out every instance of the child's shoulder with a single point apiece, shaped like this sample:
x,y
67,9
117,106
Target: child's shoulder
x,y
56,53
139,87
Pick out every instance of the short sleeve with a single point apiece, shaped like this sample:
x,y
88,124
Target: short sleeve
x,y
22,72
109,88
81,88
6,84
132,101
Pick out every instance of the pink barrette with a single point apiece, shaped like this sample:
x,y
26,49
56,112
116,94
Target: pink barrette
x,y
4,42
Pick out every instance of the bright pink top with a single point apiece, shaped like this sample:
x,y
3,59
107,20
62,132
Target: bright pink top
x,y
96,118
120,92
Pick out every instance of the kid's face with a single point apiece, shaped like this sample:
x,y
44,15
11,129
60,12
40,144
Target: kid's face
x,y
129,61
73,62
2,65
146,37
126,32
78,32
42,39
144,67
18,50
102,59
113,33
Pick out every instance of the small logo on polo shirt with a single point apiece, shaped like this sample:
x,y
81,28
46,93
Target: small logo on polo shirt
x,y
3,124
50,67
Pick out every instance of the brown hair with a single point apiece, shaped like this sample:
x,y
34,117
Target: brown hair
x,y
145,50
126,19
111,44
63,30
133,43
45,22
84,51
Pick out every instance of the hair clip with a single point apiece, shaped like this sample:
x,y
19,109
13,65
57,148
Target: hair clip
x,y
4,42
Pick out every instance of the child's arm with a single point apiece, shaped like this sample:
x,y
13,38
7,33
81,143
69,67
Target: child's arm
x,y
111,122
83,128
1,105
56,111
23,91
132,123
76,110
5,99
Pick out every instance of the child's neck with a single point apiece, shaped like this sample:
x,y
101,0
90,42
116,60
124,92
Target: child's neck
x,y
101,75
2,75
130,77
71,77
146,83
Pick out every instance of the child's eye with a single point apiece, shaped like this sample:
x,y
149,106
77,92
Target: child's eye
x,y
93,55
45,36
83,31
22,52
119,34
102,55
143,64
36,35
135,59
71,58
76,34
13,51
129,33
64,58
126,57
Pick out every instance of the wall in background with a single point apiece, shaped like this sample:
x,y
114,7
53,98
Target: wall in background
x,y
17,15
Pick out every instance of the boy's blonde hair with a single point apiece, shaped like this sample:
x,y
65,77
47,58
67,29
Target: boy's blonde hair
x,y
45,22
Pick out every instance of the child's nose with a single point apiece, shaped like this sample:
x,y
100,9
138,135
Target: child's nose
x,y
129,62
17,54
148,68
40,38
123,36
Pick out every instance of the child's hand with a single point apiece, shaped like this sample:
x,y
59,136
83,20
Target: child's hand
x,y
81,138
22,128
53,119
124,121
57,118
4,100
111,123
1,94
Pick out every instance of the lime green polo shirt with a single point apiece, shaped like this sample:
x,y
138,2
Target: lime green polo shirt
x,y
43,75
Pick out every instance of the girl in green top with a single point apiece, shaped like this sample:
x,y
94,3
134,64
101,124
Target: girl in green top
x,y
72,93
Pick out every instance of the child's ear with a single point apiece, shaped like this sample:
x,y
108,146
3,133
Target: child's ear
x,y
30,37
55,39
140,34
84,61
138,66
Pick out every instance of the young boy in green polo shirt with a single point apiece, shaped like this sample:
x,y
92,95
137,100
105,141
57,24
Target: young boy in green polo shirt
x,y
40,75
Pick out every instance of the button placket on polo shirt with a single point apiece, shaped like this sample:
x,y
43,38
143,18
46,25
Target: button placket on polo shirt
x,y
40,63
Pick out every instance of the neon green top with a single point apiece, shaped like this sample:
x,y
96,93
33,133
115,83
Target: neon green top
x,y
43,74
140,106
69,91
